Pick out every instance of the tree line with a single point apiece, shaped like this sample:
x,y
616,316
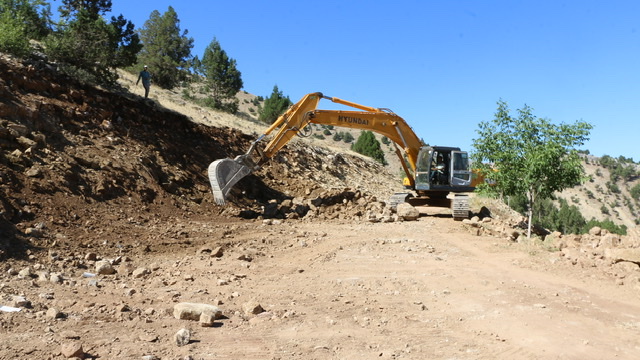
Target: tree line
x,y
90,47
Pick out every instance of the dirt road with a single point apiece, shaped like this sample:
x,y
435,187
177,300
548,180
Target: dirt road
x,y
414,290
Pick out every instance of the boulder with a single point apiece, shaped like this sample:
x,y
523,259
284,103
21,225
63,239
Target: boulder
x,y
407,212
194,311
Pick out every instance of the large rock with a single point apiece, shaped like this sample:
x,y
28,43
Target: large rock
x,y
194,311
596,230
609,241
617,255
407,212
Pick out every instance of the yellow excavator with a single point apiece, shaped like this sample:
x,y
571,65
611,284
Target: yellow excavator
x,y
432,172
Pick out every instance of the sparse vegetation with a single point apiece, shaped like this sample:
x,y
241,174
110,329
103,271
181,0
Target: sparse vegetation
x,y
589,194
635,192
621,168
613,187
343,136
567,218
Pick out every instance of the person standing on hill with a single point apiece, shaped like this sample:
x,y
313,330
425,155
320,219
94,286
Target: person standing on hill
x,y
146,80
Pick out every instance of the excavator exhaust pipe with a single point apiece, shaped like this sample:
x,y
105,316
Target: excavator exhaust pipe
x,y
224,174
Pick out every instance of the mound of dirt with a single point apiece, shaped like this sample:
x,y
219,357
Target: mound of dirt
x,y
72,153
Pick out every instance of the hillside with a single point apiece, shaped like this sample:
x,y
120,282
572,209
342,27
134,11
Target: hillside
x,y
71,153
112,248
589,197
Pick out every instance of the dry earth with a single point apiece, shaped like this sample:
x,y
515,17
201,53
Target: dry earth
x,y
107,224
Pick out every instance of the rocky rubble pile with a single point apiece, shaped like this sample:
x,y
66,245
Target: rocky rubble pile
x,y
615,255
71,153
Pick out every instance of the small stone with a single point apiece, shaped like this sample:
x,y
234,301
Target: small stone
x,y
53,313
140,272
56,279
104,267
217,252
69,334
252,308
183,337
206,319
129,292
34,232
21,301
25,273
72,350
123,308
43,276
148,337
203,250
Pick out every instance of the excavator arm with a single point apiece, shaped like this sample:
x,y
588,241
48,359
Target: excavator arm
x,y
225,173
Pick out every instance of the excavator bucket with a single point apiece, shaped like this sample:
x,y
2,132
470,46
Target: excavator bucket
x,y
224,174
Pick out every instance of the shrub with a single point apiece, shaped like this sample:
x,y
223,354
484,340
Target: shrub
x,y
12,38
368,145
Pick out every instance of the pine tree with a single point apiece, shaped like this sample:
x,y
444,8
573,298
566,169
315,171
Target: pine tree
x,y
20,21
222,77
165,49
86,44
274,106
368,145
32,15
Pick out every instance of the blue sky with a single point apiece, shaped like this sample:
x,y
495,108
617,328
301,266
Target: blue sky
x,y
441,65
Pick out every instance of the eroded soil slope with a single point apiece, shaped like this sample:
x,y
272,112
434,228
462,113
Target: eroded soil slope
x,y
76,158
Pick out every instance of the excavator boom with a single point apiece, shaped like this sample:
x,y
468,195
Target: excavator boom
x,y
225,173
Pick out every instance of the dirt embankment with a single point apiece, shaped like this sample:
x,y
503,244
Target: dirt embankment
x,y
75,156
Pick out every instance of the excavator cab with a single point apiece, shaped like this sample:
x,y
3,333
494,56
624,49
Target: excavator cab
x,y
442,168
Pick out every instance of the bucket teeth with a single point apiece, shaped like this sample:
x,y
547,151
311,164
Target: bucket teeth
x,y
223,175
